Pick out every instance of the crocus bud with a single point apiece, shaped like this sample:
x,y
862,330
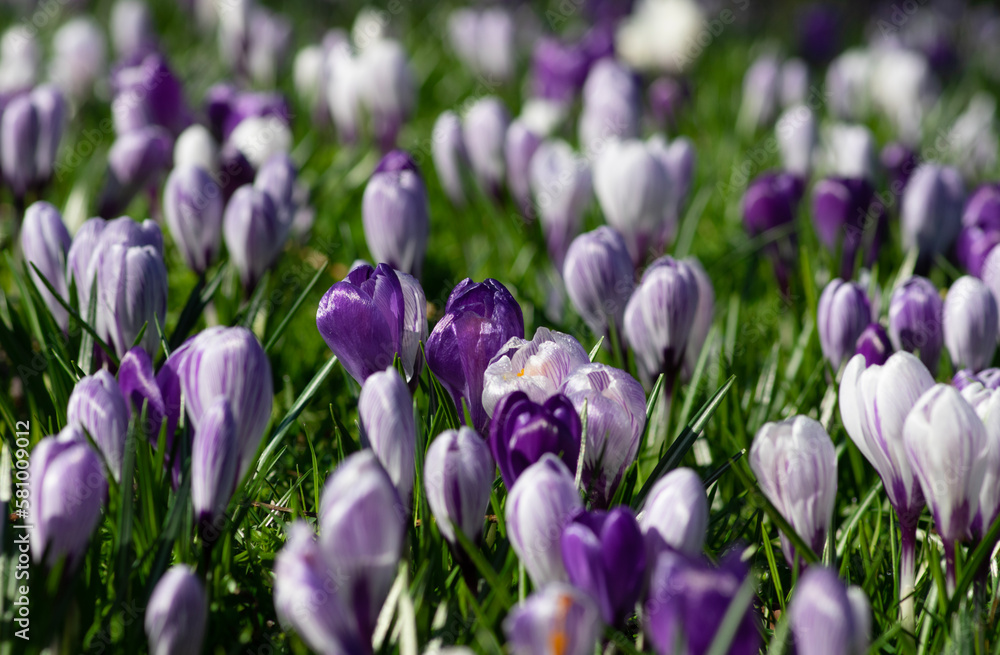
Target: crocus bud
x,y
309,76
277,177
980,229
68,488
916,315
794,83
227,362
18,144
678,160
20,58
479,318
903,88
176,613
450,156
78,56
131,28
796,467
362,528
687,603
254,235
343,87
986,402
541,503
659,316
899,162
616,416
675,515
147,94
192,207
395,213
50,107
537,367
522,431
760,92
970,323
44,243
135,161
770,202
702,319
387,88
843,314
557,617
215,458
520,144
132,293
825,618
633,189
97,406
874,345
268,38
561,186
611,106
259,138
847,215
931,211
558,70
484,131
235,171
385,411
458,478
196,146
138,385
849,151
599,279
484,41
592,543
874,403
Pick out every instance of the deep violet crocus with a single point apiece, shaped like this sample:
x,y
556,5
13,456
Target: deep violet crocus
x,y
916,320
980,229
847,215
522,431
874,345
771,202
395,213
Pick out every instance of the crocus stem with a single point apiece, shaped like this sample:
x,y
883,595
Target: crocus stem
x,y
907,576
949,558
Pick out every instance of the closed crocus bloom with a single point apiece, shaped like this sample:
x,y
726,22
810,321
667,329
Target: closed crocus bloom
x,y
687,602
611,106
277,177
562,188
192,207
990,273
902,88
387,87
633,189
659,316
604,556
196,146
678,160
844,313
849,151
558,70
771,202
599,279
79,52
97,406
414,327
458,477
537,367
132,288
702,318
947,447
215,458
177,613
916,316
616,416
847,83
520,144
479,318
68,488
385,411
484,132
899,162
151,88
823,618
135,161
761,86
254,235
986,402
794,83
50,107
675,515
309,76
138,385
44,243
18,144
306,596
970,323
343,87
558,618
261,137
522,431
362,527
874,345
450,156
796,467
131,28
931,210
847,215
980,228
395,213
542,502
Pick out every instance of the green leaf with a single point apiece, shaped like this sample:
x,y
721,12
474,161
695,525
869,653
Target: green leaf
x,y
596,349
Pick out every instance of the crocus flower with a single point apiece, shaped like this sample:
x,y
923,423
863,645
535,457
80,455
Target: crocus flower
x,y
616,416
192,207
67,488
599,279
148,93
899,162
387,87
826,617
485,41
254,235
484,132
45,243
362,527
980,228
258,138
796,467
688,600
458,478
539,505
558,70
537,367
659,316
176,613
522,431
761,85
50,107
604,556
947,447
771,202
986,402
196,146
97,406
479,318
139,387
18,144
385,412
450,156
844,312
395,213
874,345
702,319
131,28
215,459
931,211
970,323
633,189
675,516
277,177
79,53
557,618
611,106
135,161
848,151
678,160
916,316
132,293
561,186
848,216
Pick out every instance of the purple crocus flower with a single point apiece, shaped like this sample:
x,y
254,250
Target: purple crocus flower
x,y
97,406
675,516
484,132
703,317
147,94
45,243
192,207
215,459
557,618
520,145
826,617
177,613
874,345
479,318
847,215
78,56
138,386
562,188
388,88
395,213
599,280
612,109
19,131
771,202
50,107
277,177
616,417
458,478
132,293
450,156
558,70
980,229
227,107
522,431
899,162
986,402
135,161
970,323
68,488
385,412
131,28
604,556
843,314
931,211
688,600
916,317
254,235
